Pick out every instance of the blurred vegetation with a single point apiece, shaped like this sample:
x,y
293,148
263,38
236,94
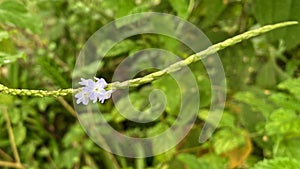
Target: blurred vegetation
x,y
260,127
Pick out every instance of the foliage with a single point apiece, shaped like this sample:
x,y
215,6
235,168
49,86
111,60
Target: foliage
x,y
260,127
285,163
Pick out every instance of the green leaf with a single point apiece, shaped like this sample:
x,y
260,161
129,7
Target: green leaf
x,y
157,129
161,144
6,99
292,66
266,77
280,162
170,44
6,58
203,82
207,161
285,101
11,11
44,152
75,134
283,121
172,92
120,48
68,158
7,44
15,116
228,119
204,86
270,11
52,71
19,133
124,7
256,100
241,56
189,160
211,9
165,157
29,149
3,35
292,85
287,148
228,17
138,106
228,139
87,69
181,8
212,161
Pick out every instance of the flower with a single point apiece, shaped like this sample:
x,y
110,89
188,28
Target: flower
x,y
106,96
101,82
82,97
93,91
85,82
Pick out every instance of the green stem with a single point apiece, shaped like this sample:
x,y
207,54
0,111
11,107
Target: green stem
x,y
276,146
40,93
150,77
140,162
201,55
109,160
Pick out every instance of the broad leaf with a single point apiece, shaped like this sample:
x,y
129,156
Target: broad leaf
x,y
208,161
181,8
292,85
241,56
123,47
266,76
228,119
68,158
212,161
289,148
145,105
172,92
228,139
280,162
189,160
283,121
270,11
211,9
75,134
256,100
19,133
285,101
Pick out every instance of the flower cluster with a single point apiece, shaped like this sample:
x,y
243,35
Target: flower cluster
x,y
92,90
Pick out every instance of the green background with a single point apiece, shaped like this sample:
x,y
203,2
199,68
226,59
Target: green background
x,y
260,127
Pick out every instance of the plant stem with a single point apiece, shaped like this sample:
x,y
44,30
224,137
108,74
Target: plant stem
x,y
67,106
150,77
201,55
10,164
5,156
109,160
140,162
11,136
39,93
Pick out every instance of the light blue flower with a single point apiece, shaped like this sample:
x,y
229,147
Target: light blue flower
x,y
87,82
82,97
107,95
101,82
97,92
93,91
